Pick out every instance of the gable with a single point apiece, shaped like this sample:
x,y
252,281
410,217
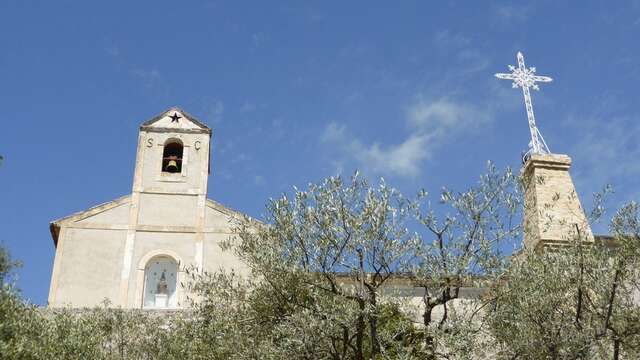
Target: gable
x,y
115,212
175,119
115,215
221,219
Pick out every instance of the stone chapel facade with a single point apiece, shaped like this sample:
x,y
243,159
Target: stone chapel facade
x,y
133,250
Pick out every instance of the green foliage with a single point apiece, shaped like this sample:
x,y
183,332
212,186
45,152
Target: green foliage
x,y
469,247
575,302
7,266
322,279
317,271
320,284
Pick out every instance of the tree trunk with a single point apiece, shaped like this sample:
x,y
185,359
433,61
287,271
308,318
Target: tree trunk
x,y
360,332
428,338
616,349
360,326
373,324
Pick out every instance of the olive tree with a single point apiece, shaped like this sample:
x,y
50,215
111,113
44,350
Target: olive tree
x,y
578,301
324,267
322,260
467,241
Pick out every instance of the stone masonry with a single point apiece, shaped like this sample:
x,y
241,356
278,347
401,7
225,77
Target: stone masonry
x,y
553,214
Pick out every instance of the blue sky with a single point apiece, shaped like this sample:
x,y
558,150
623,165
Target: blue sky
x,y
298,91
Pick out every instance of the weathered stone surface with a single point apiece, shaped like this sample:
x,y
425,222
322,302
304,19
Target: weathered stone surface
x,y
553,214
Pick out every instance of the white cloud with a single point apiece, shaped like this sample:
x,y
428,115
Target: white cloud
x,y
472,61
247,106
259,180
513,13
404,159
214,110
150,78
447,38
435,116
431,124
461,51
113,50
333,133
608,149
240,158
257,40
605,150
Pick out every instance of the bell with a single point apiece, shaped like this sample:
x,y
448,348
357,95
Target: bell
x,y
172,166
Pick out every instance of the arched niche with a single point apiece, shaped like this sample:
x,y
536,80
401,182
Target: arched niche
x,y
158,280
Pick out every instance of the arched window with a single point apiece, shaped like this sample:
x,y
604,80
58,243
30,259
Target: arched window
x,y
172,157
160,279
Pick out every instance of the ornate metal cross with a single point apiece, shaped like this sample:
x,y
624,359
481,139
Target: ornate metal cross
x,y
527,78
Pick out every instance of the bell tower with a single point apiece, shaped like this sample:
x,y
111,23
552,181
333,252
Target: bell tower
x,y
169,193
173,154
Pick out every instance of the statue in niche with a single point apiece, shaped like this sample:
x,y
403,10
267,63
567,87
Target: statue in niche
x,y
162,288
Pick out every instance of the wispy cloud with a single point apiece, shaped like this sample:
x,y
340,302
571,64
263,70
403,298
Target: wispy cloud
x,y
247,106
259,180
402,159
431,124
150,78
258,41
460,48
437,116
608,149
606,153
240,158
472,61
448,39
513,13
214,110
112,50
305,13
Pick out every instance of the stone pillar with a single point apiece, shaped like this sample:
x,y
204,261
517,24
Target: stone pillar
x,y
552,212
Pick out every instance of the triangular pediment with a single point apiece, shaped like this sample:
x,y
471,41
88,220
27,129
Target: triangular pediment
x,y
175,119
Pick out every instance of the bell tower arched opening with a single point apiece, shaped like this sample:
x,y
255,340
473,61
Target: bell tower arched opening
x,y
172,156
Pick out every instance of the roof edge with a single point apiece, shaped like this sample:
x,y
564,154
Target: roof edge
x,y
55,225
189,117
230,212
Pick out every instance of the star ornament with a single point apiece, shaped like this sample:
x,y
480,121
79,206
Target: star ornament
x,y
175,117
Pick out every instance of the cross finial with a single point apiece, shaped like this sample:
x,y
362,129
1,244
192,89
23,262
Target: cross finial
x,y
525,79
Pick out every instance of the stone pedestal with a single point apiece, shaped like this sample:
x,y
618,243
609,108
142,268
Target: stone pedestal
x,y
162,300
553,214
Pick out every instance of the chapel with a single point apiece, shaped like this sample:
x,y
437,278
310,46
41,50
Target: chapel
x,y
133,251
